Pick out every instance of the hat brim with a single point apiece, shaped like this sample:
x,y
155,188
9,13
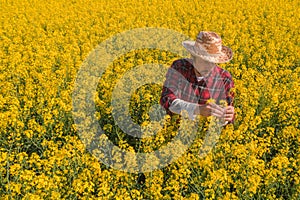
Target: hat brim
x,y
225,55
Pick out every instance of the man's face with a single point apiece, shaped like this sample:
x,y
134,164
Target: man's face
x,y
203,66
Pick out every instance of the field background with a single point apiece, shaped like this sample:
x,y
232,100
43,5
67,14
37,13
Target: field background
x,y
42,46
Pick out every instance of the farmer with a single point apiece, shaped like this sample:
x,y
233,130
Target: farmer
x,y
191,82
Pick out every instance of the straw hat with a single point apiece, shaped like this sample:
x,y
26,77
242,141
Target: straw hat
x,y
208,46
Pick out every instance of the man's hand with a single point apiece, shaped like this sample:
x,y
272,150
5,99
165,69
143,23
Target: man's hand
x,y
229,113
212,109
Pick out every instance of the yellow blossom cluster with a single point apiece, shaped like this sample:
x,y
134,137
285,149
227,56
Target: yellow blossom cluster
x,y
43,45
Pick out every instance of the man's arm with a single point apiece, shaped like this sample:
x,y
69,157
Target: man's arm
x,y
171,98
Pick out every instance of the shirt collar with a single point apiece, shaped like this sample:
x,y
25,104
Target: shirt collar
x,y
210,75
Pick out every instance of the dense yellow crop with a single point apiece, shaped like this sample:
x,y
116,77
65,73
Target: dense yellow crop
x,y
43,44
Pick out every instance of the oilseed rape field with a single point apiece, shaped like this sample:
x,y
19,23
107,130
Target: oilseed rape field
x,y
48,148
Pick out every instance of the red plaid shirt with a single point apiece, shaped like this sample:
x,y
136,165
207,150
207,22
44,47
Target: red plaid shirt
x,y
181,83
